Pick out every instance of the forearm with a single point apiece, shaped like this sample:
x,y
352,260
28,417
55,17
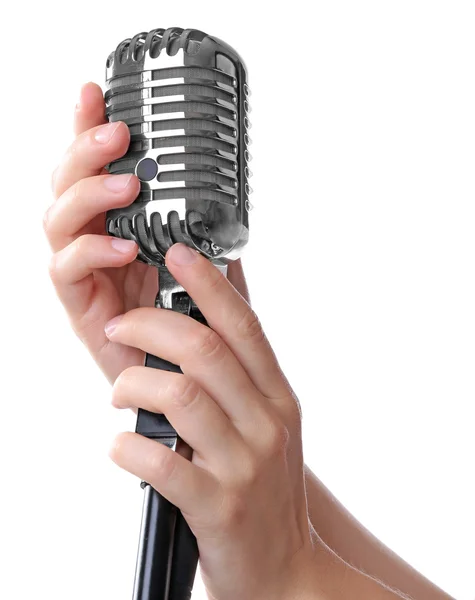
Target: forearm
x,y
359,548
329,577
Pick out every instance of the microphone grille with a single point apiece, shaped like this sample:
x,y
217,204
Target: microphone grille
x,y
185,98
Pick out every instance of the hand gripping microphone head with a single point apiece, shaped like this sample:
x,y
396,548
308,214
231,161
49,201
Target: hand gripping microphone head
x,y
184,96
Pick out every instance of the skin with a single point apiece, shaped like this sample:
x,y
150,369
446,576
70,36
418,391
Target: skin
x,y
243,492
359,547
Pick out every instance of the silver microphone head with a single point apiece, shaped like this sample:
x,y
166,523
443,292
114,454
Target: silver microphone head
x,y
184,96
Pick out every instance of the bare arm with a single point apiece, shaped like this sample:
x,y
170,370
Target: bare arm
x,y
334,579
359,548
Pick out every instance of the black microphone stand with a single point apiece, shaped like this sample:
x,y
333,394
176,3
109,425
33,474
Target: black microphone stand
x,y
168,553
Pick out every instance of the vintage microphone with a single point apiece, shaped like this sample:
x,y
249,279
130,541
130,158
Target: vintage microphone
x,y
184,96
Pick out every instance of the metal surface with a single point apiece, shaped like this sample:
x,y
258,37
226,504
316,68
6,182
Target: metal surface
x,y
184,96
168,288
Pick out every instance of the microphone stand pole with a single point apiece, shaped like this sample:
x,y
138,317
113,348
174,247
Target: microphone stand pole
x,y
168,553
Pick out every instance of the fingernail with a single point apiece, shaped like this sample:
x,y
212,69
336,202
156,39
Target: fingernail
x,y
111,325
104,134
123,246
117,183
182,255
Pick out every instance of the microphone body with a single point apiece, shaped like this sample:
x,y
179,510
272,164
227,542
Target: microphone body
x,y
184,96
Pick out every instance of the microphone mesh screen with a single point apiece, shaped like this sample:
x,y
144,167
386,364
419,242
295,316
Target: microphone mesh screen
x,y
184,97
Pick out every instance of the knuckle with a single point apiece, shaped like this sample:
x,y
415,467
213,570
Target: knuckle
x,y
53,180
53,268
249,327
248,472
213,278
209,345
121,385
276,440
291,411
46,221
76,190
232,512
185,392
71,152
163,464
64,167
80,245
117,450
294,413
133,325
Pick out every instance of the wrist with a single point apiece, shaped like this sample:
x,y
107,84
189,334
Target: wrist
x,y
334,579
310,572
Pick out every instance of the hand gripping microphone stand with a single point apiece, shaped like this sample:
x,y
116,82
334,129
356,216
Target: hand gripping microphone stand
x,y
184,97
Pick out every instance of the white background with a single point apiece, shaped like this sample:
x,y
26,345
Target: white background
x,y
360,265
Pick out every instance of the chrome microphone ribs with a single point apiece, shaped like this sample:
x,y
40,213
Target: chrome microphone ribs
x,y
184,96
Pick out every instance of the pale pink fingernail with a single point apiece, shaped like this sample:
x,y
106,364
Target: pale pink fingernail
x,y
117,183
104,134
111,325
123,246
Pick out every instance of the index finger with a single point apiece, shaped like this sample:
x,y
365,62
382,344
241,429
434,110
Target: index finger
x,y
228,313
90,110
89,153
89,113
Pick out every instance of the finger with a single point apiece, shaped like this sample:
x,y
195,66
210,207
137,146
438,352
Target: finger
x,y
85,200
89,153
201,354
237,278
192,489
71,269
230,316
195,416
90,110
